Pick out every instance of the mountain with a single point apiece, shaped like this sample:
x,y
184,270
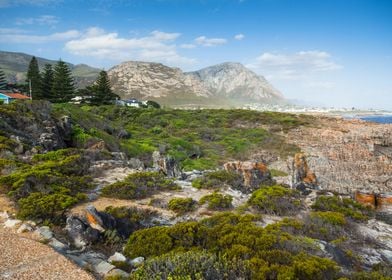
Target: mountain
x,y
15,67
235,81
135,79
223,85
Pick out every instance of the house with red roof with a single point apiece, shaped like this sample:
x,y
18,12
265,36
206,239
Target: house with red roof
x,y
6,97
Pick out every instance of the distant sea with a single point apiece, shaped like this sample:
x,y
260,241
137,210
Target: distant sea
x,y
377,119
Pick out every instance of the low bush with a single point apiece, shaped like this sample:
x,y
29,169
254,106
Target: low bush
x,y
346,206
327,226
217,179
217,201
276,200
182,205
139,185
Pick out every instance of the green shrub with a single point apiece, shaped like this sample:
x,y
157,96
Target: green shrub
x,y
346,206
47,207
139,185
325,225
217,201
278,173
182,205
217,179
276,200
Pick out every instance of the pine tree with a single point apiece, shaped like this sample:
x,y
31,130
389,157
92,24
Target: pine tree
x,y
63,83
47,83
34,78
3,81
102,92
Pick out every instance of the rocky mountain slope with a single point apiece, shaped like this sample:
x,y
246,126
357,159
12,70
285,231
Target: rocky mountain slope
x,y
233,80
226,84
134,79
15,66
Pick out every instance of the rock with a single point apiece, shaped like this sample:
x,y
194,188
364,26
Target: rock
x,y
117,257
43,233
80,233
4,215
99,220
103,268
166,164
137,261
135,163
12,223
303,178
118,274
57,245
253,173
24,228
123,134
386,254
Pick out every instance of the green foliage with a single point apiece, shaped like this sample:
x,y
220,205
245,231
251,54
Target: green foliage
x,y
139,185
346,206
63,83
101,90
34,79
327,226
217,201
181,205
217,179
47,207
47,83
276,200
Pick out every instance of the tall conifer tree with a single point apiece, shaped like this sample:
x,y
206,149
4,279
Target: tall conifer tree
x,y
63,83
102,92
47,83
3,81
34,79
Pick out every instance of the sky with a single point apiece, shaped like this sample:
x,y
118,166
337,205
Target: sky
x,y
330,53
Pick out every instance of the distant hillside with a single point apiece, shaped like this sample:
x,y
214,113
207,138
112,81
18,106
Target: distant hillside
x,y
224,85
15,67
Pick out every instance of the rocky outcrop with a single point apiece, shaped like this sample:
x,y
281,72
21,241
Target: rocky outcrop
x,y
303,179
166,164
347,155
254,174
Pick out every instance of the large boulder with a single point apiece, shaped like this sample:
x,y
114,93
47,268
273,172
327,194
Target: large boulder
x,y
80,233
253,173
166,164
99,220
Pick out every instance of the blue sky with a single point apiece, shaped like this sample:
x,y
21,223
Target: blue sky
x,y
335,52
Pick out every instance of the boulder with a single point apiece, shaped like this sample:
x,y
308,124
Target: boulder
x,y
137,261
43,233
166,164
117,257
103,268
253,173
303,179
57,245
80,233
118,274
99,220
24,228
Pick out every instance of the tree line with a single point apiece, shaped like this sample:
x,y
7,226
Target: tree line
x,y
57,85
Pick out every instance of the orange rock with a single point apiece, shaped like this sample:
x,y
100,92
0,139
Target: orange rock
x,y
384,202
365,198
253,173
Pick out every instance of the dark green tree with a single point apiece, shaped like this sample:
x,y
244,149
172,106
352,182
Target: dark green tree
x,y
3,81
34,79
101,90
47,83
63,83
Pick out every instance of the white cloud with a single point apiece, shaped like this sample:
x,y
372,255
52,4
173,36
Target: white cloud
x,y
41,20
239,37
13,35
293,66
187,46
157,46
210,42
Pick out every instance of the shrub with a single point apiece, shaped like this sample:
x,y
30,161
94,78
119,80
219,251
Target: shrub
x,y
139,185
278,173
47,207
276,200
325,225
182,205
217,179
217,201
345,206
